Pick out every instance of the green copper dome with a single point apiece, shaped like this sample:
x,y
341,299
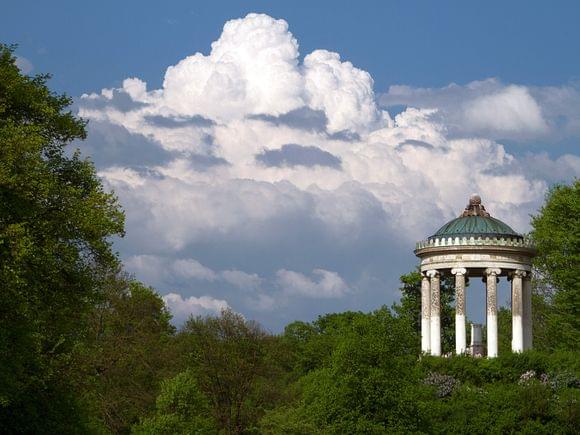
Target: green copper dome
x,y
476,226
476,222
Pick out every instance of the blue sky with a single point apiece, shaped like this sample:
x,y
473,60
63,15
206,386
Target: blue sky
x,y
91,45
287,170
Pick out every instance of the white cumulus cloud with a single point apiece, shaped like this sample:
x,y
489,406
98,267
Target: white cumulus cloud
x,y
251,69
495,110
511,110
248,165
343,92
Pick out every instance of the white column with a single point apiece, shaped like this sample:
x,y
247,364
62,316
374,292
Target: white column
x,y
517,311
527,312
425,315
491,280
460,338
435,324
476,340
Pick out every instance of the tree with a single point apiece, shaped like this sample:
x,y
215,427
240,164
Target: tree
x,y
556,232
181,409
312,344
365,386
127,352
56,222
238,367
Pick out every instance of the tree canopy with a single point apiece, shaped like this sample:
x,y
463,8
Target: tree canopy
x,y
556,232
56,224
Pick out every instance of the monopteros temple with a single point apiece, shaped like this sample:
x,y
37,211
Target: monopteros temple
x,y
476,245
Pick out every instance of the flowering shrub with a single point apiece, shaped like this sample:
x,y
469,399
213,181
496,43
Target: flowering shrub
x,y
526,377
445,384
556,381
564,379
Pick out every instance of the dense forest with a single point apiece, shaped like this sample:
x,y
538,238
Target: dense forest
x,y
85,348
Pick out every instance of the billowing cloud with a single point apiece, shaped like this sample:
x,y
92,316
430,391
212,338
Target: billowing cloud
x,y
242,280
511,110
251,69
343,92
193,269
492,109
262,181
326,284
183,308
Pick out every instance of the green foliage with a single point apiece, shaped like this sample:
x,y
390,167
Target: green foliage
x,y
55,227
357,373
557,236
504,330
313,343
410,303
523,393
181,409
289,420
364,381
126,353
506,368
238,367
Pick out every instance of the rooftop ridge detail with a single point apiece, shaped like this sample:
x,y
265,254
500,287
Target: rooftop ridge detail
x,y
525,242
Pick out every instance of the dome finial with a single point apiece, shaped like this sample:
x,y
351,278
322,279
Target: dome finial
x,y
475,208
474,199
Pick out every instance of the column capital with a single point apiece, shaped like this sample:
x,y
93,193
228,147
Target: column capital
x,y
459,271
493,271
519,273
432,273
